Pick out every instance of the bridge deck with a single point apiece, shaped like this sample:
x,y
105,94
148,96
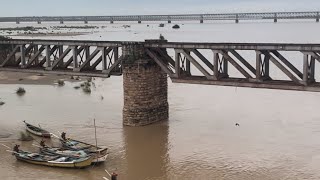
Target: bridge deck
x,y
175,45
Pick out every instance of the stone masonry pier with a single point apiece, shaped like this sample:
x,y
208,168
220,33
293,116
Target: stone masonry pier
x,y
145,89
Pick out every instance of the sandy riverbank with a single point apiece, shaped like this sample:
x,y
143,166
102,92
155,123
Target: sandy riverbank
x,y
31,78
50,34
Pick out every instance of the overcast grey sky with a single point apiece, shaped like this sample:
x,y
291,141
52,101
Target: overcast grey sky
x,y
119,7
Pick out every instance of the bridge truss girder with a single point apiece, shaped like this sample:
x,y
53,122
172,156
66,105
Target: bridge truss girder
x,y
66,58
227,64
257,74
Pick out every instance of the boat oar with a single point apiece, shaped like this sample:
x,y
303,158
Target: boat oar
x,y
12,152
55,136
6,146
36,145
107,172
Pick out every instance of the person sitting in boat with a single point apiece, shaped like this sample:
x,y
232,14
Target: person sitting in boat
x,y
63,136
16,148
114,176
43,144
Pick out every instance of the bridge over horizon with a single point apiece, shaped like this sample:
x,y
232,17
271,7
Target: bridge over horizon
x,y
275,16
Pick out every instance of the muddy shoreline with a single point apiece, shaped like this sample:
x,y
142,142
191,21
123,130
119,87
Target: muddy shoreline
x,y
35,79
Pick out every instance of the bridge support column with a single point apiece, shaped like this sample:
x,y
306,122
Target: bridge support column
x,y
237,18
145,88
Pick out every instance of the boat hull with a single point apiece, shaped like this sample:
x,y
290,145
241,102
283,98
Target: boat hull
x,y
100,159
89,148
80,164
37,130
45,135
97,157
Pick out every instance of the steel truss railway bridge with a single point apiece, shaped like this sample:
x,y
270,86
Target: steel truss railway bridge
x,y
146,66
275,16
106,58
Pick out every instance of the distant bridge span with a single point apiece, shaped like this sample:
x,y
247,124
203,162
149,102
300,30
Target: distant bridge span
x,y
275,16
107,58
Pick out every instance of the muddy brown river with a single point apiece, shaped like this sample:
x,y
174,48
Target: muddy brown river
x,y
278,137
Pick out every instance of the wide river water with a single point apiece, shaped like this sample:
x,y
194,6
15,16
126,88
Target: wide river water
x,y
278,137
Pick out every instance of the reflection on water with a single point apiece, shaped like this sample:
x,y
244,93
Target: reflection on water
x,y
147,152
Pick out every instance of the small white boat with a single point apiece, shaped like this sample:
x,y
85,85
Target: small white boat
x,y
37,130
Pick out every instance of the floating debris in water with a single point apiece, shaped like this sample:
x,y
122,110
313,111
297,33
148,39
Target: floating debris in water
x,y
2,103
21,91
85,84
176,26
162,37
89,79
60,82
77,87
87,89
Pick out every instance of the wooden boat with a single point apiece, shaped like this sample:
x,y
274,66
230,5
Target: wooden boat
x,y
100,153
79,145
37,130
97,157
54,161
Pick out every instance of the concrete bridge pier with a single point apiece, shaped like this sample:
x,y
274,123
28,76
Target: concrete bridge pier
x,y
275,18
145,88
